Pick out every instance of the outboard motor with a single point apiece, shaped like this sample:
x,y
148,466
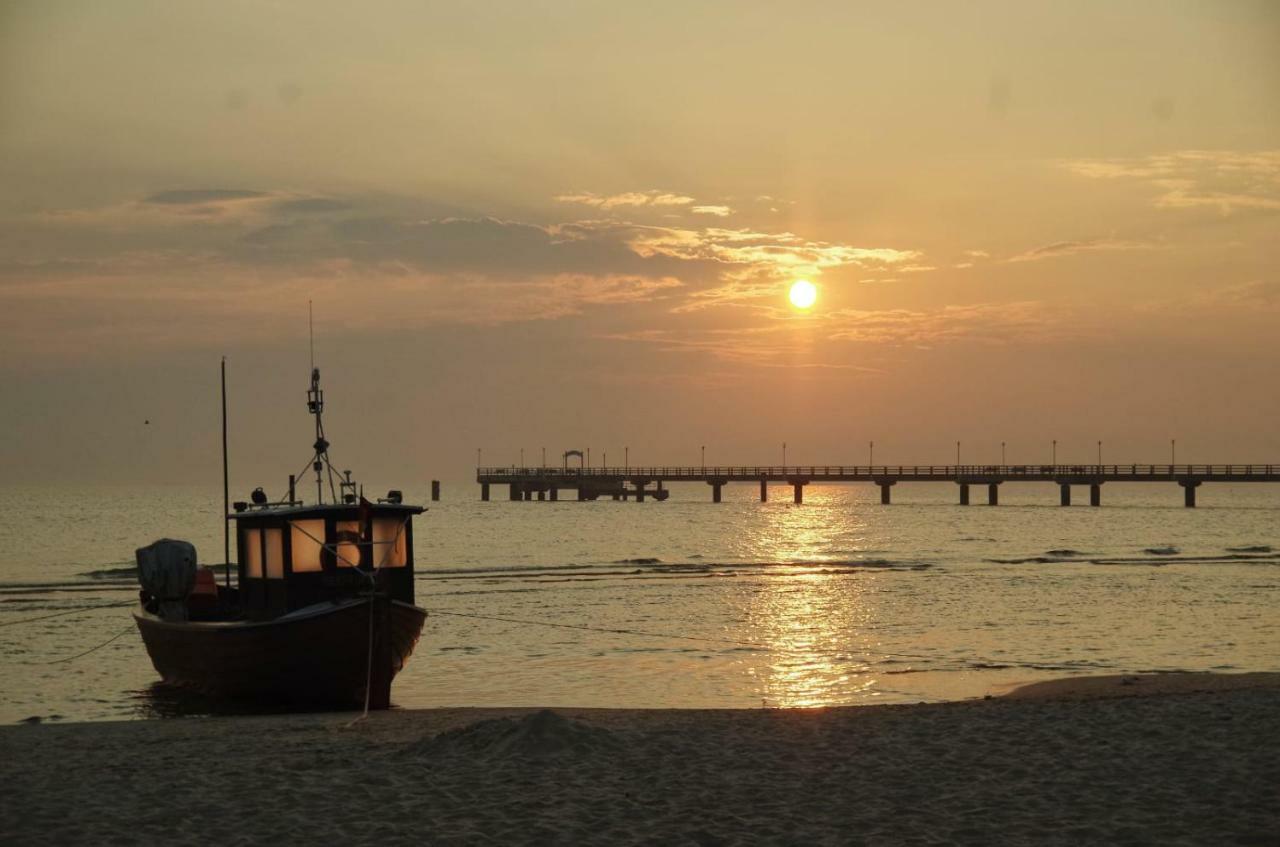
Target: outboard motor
x,y
167,571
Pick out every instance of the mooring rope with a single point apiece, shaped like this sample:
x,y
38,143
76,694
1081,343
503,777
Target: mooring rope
x,y
71,612
91,649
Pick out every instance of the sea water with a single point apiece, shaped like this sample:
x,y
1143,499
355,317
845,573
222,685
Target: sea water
x,y
688,603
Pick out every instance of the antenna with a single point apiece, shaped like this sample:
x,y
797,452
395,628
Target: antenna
x,y
311,333
315,405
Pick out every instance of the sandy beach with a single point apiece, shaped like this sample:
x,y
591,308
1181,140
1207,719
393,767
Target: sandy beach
x,y
1167,759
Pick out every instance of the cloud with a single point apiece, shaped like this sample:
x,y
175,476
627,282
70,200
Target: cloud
x,y
753,346
629,198
1255,294
827,342
312,205
781,252
230,254
197,196
718,211
1067,248
1225,180
988,323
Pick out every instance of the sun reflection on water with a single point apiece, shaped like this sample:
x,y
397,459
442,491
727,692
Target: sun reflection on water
x,y
813,621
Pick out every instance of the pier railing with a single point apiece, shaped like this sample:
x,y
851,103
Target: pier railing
x,y
874,473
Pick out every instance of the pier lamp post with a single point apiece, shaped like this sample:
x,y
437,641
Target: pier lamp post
x,y
478,462
588,457
604,460
522,457
957,454
626,458
871,453
1002,459
704,458
1099,454
544,457
784,455
1173,451
1054,460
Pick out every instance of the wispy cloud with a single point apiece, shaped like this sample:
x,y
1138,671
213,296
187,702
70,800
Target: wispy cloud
x,y
987,323
1067,248
1255,294
198,196
718,211
629,198
1224,180
825,342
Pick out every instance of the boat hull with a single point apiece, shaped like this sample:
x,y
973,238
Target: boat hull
x,y
316,656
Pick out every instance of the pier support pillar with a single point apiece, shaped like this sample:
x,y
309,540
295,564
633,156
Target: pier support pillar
x,y
515,493
555,493
639,492
1189,493
764,491
884,492
993,494
484,491
528,495
798,495
964,494
582,493
1064,496
542,495
715,491
435,489
1095,494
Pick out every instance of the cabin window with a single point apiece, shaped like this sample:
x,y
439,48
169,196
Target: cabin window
x,y
307,539
275,553
348,543
253,553
389,544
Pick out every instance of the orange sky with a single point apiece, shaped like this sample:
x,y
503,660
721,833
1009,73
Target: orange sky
x,y
574,225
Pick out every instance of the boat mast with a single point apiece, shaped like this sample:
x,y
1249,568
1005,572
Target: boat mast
x,y
226,495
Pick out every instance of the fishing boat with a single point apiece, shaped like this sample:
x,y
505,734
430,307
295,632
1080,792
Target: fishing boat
x,y
323,611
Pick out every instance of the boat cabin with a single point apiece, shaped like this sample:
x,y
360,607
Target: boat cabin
x,y
293,556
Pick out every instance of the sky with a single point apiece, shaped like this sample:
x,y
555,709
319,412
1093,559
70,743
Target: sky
x,y
573,225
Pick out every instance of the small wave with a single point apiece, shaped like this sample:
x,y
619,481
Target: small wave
x,y
1028,560
1252,548
1066,552
1260,558
641,561
1161,551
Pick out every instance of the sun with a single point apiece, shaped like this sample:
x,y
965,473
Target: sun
x,y
803,293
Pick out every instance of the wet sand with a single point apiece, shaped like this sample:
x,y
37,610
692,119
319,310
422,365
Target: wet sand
x,y
1161,759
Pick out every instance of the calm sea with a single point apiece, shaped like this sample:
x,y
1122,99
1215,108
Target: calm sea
x,y
686,603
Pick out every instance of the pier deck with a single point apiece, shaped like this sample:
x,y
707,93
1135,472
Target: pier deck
x,y
643,483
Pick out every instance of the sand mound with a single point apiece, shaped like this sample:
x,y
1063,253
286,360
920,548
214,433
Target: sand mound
x,y
542,733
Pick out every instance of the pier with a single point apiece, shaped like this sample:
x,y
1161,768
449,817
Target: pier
x,y
650,483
